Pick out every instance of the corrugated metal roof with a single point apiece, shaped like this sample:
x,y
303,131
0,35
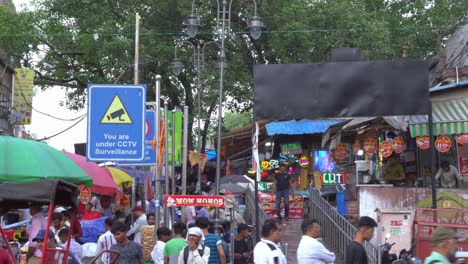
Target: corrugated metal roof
x,y
301,127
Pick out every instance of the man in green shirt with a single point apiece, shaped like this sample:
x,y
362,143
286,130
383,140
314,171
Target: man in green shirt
x,y
175,245
444,246
393,171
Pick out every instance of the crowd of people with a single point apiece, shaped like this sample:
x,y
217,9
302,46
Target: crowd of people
x,y
194,241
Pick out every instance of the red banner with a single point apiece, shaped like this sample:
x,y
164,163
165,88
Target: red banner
x,y
296,205
386,149
423,142
443,144
194,200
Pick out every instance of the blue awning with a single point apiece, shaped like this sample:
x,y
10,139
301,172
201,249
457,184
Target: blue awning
x,y
300,127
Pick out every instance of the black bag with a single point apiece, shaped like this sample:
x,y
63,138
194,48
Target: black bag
x,y
186,252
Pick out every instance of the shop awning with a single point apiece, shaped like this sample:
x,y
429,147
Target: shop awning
x,y
300,127
449,117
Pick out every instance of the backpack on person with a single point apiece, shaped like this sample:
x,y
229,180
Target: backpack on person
x,y
186,252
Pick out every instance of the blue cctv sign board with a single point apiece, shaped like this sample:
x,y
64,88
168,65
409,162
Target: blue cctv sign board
x,y
150,153
116,122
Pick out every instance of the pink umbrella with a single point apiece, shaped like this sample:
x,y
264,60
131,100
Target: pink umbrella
x,y
103,183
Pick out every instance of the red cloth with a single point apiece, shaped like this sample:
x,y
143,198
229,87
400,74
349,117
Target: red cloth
x,y
5,257
91,215
76,229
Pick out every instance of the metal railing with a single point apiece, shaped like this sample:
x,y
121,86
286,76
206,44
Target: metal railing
x,y
250,209
336,230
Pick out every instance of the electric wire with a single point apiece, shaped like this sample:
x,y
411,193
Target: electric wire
x,y
63,131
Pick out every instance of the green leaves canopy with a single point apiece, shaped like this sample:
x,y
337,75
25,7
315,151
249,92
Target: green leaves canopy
x,y
75,42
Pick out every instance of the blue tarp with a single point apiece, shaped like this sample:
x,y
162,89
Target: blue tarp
x,y
92,229
300,127
211,154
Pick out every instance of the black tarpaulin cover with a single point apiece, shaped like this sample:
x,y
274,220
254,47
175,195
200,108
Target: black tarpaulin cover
x,y
18,195
340,89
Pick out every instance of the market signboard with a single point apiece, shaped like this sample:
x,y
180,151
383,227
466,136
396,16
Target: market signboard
x,y
461,138
296,205
194,200
341,152
423,142
386,149
399,145
370,146
443,144
291,148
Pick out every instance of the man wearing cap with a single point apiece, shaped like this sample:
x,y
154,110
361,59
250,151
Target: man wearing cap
x,y
444,246
242,252
39,240
195,252
139,223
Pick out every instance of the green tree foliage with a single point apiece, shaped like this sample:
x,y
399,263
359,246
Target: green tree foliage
x,y
236,120
75,42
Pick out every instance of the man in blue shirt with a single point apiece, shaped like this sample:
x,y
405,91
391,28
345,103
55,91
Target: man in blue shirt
x,y
444,246
217,255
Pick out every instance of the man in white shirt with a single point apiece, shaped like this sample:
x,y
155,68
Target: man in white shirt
x,y
157,255
139,223
195,252
105,242
310,250
267,250
448,174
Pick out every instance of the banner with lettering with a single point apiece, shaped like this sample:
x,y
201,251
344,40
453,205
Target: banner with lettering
x,y
23,93
194,200
268,202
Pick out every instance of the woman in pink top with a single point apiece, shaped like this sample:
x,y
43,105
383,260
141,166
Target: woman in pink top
x,y
38,222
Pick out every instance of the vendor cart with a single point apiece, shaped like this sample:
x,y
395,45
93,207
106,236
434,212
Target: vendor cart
x,y
47,193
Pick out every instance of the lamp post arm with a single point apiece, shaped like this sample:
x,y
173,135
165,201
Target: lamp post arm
x,y
193,7
194,48
203,50
255,7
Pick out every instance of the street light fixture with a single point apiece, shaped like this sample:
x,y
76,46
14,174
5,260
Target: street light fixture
x,y
176,66
192,24
255,25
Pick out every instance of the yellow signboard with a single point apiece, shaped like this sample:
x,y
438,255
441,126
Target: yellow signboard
x,y
116,113
23,94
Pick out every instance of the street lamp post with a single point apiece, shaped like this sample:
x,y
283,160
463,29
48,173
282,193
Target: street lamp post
x,y
177,67
255,26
